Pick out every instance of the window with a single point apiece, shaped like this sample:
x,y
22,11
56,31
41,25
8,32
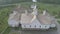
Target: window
x,y
45,26
40,26
35,25
30,25
24,26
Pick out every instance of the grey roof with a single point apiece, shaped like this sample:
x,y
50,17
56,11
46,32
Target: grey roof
x,y
44,19
14,17
26,18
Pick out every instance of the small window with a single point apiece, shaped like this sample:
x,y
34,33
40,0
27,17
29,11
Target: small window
x,y
45,26
24,26
35,25
30,25
40,26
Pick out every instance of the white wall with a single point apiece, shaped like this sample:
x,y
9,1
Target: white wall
x,y
13,23
37,24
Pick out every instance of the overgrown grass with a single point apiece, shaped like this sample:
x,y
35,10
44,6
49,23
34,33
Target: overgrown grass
x,y
4,13
7,30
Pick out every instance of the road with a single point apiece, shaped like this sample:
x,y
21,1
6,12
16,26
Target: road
x,y
39,32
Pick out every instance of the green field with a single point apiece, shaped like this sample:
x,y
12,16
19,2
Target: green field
x,y
4,13
53,9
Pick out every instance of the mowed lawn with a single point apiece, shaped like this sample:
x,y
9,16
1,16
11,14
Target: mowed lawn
x,y
53,9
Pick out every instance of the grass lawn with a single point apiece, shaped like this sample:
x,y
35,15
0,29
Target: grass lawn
x,y
4,12
53,9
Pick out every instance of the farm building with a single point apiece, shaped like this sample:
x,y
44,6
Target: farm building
x,y
29,18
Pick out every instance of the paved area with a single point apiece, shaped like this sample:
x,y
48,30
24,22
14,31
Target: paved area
x,y
37,32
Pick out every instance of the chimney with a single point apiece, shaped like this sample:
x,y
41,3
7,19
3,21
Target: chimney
x,y
44,12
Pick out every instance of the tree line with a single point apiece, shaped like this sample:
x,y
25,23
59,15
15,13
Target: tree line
x,y
18,1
